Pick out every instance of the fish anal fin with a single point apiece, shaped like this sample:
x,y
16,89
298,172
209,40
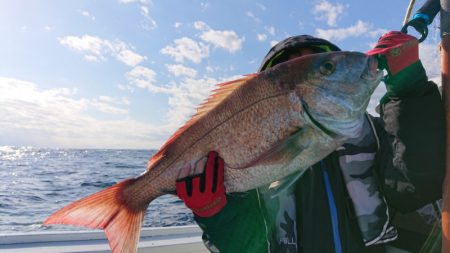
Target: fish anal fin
x,y
107,210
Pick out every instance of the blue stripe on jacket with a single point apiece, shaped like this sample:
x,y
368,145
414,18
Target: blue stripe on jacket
x,y
333,211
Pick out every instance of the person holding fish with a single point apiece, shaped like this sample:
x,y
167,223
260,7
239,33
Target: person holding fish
x,y
347,201
295,163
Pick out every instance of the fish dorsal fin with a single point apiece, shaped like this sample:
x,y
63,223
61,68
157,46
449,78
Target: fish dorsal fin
x,y
222,91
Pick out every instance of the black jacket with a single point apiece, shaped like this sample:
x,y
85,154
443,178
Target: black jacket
x,y
409,167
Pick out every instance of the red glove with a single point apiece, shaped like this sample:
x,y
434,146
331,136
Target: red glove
x,y
204,193
400,50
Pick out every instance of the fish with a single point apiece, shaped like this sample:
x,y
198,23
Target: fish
x,y
265,126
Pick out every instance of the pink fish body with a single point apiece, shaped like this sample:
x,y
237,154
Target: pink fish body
x,y
265,126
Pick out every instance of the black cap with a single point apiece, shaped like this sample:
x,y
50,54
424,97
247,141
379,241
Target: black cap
x,y
291,44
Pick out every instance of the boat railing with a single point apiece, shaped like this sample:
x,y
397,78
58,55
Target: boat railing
x,y
180,239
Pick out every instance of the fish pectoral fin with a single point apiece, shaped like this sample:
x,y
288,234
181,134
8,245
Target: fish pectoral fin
x,y
283,151
107,210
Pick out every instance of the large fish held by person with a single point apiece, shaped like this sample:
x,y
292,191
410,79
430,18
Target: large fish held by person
x,y
265,126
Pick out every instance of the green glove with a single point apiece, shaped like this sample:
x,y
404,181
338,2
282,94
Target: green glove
x,y
406,82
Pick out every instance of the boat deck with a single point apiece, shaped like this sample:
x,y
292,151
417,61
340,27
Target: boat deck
x,y
183,239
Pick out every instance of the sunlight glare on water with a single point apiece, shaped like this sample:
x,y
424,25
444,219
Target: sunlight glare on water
x,y
35,182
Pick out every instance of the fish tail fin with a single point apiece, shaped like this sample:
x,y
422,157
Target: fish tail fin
x,y
108,210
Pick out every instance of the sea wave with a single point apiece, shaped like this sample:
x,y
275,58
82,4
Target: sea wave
x,y
35,182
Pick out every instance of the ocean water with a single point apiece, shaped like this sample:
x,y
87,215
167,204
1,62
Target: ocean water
x,y
35,182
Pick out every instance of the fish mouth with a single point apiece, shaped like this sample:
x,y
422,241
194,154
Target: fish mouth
x,y
371,72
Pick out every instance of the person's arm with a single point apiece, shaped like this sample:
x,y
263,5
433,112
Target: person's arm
x,y
230,222
430,8
423,17
410,162
239,227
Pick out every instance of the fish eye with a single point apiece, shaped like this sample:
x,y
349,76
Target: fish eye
x,y
327,68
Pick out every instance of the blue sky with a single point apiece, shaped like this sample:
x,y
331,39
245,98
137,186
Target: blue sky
x,y
128,73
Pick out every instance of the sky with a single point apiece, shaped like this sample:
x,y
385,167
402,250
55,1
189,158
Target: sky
x,y
128,73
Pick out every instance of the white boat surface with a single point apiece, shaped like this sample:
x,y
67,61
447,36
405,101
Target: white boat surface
x,y
180,239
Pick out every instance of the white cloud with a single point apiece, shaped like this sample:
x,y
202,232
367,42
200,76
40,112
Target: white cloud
x,y
48,28
273,42
226,39
55,118
187,95
430,56
210,68
201,25
261,6
177,25
186,48
252,16
97,49
180,70
261,37
113,100
149,23
106,99
144,10
129,57
144,78
125,87
357,30
88,15
93,46
204,6
92,58
183,97
143,2
270,30
144,7
123,53
107,108
325,10
376,33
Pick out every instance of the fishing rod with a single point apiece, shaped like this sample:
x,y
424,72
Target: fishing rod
x,y
408,12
